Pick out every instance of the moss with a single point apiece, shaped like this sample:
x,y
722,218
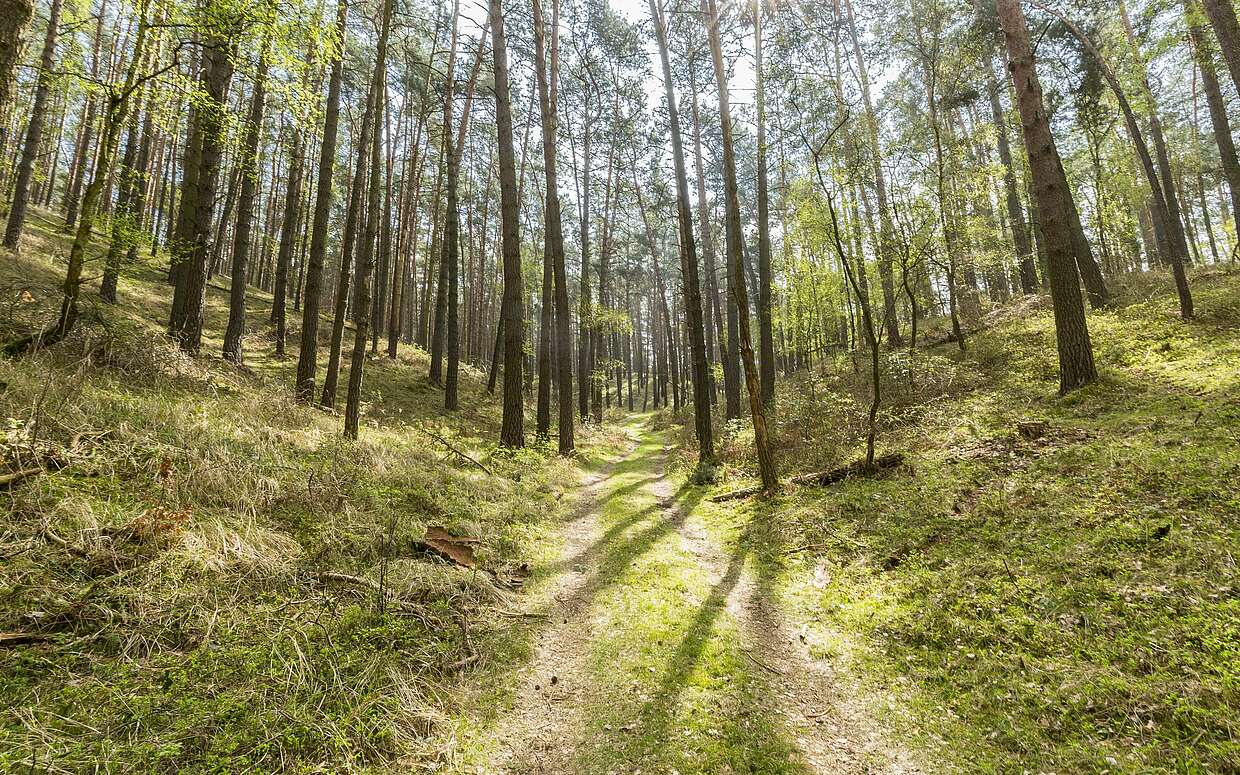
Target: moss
x,y
172,573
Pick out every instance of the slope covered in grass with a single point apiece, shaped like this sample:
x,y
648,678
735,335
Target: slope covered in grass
x,y
1061,601
208,577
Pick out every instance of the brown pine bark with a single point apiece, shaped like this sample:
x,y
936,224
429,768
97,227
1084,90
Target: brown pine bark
x,y
365,253
189,298
712,309
451,260
766,466
34,131
1222,16
14,16
766,335
307,355
1076,358
553,235
448,236
1219,121
689,259
353,217
512,430
248,163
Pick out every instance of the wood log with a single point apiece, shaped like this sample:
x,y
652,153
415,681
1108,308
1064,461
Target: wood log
x,y
16,477
855,468
823,478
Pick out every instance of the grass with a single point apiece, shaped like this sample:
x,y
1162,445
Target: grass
x,y
1069,603
187,580
1062,603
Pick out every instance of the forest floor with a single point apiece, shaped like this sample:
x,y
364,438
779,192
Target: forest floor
x,y
661,646
204,577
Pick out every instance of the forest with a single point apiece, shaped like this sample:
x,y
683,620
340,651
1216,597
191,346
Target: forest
x,y
619,386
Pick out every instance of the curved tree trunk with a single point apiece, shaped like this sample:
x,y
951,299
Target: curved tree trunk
x,y
1076,357
34,131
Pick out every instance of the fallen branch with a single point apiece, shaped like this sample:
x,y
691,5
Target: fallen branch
x,y
856,468
823,478
21,638
9,480
762,664
735,494
454,450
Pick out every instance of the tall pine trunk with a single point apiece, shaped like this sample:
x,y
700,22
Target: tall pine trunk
x,y
34,131
553,235
1076,357
366,249
735,245
688,257
512,432
248,163
308,348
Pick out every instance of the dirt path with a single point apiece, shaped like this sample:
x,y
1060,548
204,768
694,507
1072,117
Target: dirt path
x,y
663,651
544,701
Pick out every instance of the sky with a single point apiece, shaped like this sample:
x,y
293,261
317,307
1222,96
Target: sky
x,y
740,84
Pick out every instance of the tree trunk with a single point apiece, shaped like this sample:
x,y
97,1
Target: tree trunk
x,y
34,131
553,236
885,236
512,432
689,260
308,348
1218,108
189,298
348,241
73,192
248,164
712,310
14,16
366,250
766,466
766,337
1222,16
1076,358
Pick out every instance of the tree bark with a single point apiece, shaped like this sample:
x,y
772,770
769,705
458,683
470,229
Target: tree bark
x,y
189,298
1222,16
348,241
34,131
14,16
248,163
689,260
886,236
1076,358
365,254
766,466
512,432
553,235
308,347
1218,108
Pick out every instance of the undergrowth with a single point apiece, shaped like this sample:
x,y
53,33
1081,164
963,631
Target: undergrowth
x,y
207,577
1060,599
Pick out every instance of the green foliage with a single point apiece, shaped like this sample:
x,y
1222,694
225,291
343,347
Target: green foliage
x,y
1058,603
197,579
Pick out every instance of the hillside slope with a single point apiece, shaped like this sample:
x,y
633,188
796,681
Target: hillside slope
x,y
207,577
